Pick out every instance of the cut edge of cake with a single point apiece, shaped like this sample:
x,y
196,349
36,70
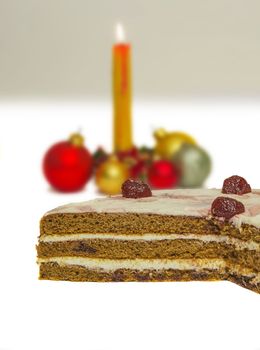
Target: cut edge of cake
x,y
141,239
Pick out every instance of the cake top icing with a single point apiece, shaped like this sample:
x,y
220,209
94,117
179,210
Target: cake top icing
x,y
178,202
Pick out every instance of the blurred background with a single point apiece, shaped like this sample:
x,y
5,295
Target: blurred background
x,y
184,48
195,69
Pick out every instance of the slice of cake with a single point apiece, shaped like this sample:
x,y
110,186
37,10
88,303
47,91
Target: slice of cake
x,y
174,235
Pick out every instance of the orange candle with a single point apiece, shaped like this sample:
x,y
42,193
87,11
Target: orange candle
x,y
122,93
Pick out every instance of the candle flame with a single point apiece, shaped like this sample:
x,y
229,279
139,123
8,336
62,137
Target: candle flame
x,y
120,33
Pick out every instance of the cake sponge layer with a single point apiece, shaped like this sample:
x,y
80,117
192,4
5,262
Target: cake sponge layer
x,y
151,249
133,223
55,271
76,273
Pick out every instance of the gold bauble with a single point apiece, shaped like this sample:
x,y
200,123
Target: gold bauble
x,y
169,143
110,175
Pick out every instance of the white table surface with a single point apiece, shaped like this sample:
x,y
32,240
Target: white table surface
x,y
61,315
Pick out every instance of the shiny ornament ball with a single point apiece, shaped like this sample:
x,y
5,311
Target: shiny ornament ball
x,y
110,175
169,143
163,174
194,164
67,165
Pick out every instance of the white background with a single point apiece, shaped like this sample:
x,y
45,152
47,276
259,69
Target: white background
x,y
180,47
61,315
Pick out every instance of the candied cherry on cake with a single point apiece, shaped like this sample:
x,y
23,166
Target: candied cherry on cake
x,y
236,185
225,207
135,189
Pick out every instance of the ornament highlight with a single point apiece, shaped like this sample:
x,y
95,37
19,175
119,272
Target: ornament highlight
x,y
169,143
163,174
194,164
110,175
67,165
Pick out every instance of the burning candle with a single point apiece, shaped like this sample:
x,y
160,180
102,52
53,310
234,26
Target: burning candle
x,y
122,92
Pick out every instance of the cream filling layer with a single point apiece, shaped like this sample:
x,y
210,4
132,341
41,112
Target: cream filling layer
x,y
139,264
155,264
237,243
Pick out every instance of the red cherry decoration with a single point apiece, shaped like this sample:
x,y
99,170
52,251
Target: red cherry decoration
x,y
135,189
67,165
236,185
225,207
163,174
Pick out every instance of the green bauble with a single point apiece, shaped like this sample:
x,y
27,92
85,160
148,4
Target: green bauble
x,y
194,164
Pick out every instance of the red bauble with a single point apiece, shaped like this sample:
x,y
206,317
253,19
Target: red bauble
x,y
67,165
163,174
